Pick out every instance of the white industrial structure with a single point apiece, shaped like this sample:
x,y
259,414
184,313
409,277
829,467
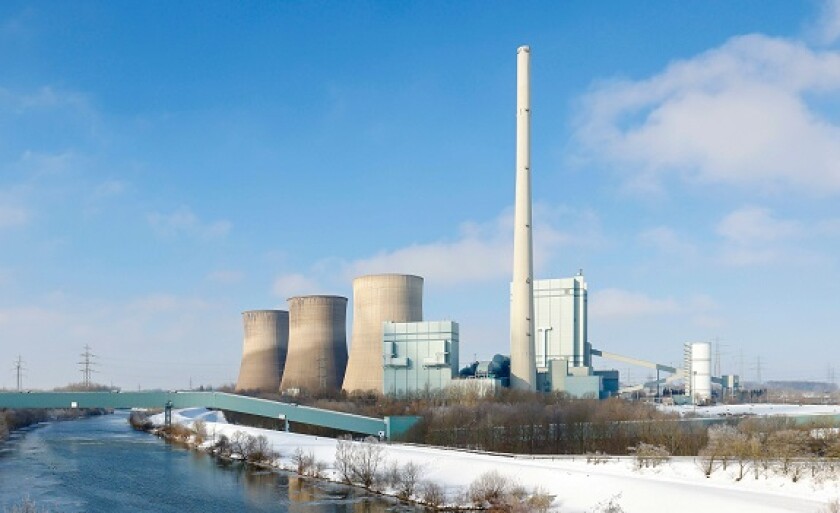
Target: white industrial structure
x,y
698,371
522,364
264,348
560,318
419,356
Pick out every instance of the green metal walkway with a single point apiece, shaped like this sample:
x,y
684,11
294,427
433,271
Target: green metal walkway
x,y
389,427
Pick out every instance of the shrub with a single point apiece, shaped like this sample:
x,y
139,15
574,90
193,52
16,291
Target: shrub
x,y
648,455
223,447
199,428
407,479
539,501
432,495
305,464
610,505
490,488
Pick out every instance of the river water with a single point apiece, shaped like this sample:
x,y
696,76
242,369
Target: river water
x,y
101,465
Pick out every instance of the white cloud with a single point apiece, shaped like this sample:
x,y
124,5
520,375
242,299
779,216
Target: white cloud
x,y
753,236
618,303
667,240
827,28
12,216
738,114
290,285
184,221
753,224
614,304
110,188
483,251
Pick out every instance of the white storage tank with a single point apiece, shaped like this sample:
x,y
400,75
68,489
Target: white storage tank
x,y
699,378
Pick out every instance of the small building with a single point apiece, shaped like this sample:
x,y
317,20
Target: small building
x,y
419,356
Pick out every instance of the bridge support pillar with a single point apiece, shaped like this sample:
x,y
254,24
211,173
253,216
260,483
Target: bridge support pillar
x,y
167,414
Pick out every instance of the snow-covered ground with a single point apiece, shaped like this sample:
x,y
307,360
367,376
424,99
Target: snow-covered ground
x,y
678,485
721,410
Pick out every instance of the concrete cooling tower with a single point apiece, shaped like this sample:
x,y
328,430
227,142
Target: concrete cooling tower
x,y
317,343
263,349
376,299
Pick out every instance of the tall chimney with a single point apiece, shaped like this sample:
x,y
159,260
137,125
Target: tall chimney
x,y
522,363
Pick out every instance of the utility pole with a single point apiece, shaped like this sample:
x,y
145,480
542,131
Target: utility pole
x,y
19,368
87,364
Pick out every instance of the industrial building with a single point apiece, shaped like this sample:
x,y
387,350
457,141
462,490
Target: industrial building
x,y
317,355
376,299
264,349
560,320
419,356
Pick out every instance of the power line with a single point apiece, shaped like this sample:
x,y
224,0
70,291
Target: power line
x,y
19,368
87,364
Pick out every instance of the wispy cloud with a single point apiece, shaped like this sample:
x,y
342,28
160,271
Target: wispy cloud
x,y
614,304
225,276
184,222
738,114
12,215
666,240
295,284
482,252
826,30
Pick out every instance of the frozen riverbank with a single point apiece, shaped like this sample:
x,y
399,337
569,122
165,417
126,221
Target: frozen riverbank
x,y
578,485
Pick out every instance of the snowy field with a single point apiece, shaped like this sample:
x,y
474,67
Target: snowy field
x,y
724,410
578,486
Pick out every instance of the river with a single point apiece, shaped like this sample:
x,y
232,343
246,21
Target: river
x,y
101,465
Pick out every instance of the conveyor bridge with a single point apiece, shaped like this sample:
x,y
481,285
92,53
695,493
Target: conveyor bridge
x,y
388,427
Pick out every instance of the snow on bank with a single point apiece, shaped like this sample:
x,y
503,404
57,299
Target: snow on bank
x,y
579,487
725,410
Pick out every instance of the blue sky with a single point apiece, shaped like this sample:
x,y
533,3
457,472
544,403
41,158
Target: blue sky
x,y
165,166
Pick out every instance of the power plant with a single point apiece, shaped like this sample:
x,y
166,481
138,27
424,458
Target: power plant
x,y
263,349
317,354
394,351
376,299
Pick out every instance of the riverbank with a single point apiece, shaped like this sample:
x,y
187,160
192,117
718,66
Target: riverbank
x,y
11,420
606,480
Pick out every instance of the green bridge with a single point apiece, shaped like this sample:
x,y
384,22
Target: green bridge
x,y
388,427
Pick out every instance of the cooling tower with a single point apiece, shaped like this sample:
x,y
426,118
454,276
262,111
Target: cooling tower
x,y
263,350
378,298
317,343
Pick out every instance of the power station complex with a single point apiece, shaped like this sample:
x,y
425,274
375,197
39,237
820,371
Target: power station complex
x,y
394,351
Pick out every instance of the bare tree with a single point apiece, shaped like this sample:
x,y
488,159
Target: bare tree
x,y
359,462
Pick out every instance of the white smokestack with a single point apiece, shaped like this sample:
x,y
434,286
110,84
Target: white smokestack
x,y
522,364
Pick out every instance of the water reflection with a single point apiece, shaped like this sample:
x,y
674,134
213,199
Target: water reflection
x,y
100,465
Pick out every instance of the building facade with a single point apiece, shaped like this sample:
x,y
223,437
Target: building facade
x,y
419,356
560,322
